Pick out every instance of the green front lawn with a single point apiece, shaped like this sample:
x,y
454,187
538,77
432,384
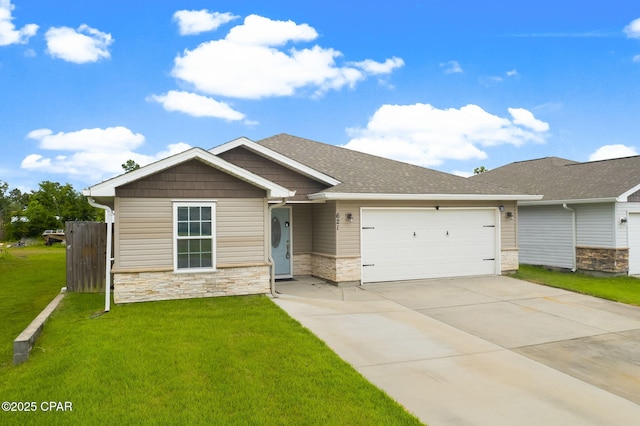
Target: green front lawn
x,y
620,289
230,360
30,277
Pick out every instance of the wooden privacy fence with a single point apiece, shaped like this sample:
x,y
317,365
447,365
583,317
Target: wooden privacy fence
x,y
86,256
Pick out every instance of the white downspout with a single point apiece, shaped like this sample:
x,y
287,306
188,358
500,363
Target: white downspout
x,y
272,275
573,234
108,219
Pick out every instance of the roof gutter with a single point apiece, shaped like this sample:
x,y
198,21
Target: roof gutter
x,y
108,220
576,201
573,234
420,197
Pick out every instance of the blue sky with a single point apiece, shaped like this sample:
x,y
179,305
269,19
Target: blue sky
x,y
450,85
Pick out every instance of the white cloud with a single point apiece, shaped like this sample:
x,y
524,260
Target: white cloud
x,y
427,136
636,58
111,139
80,46
196,105
94,153
462,173
512,73
613,151
191,22
633,29
525,118
261,31
248,64
372,67
452,67
8,32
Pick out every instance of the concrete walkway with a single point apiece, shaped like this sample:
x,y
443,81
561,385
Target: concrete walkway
x,y
482,350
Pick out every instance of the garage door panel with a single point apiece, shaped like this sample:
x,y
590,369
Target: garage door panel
x,y
416,243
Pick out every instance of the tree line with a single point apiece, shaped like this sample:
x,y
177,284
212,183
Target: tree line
x,y
29,214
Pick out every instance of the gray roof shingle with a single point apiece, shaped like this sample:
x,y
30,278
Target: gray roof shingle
x,y
364,173
560,179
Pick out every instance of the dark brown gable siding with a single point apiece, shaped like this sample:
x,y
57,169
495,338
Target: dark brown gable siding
x,y
274,172
192,179
634,198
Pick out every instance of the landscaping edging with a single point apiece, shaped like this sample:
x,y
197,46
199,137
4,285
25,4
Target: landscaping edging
x,y
24,342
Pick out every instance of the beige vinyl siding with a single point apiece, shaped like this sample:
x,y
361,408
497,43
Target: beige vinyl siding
x,y
240,230
144,232
509,226
348,234
302,226
324,228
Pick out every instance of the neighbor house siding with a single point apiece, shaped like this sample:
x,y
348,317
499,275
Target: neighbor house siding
x,y
622,230
144,232
546,236
595,224
634,198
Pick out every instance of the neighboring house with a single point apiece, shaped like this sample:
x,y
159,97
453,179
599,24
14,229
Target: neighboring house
x,y
589,218
208,223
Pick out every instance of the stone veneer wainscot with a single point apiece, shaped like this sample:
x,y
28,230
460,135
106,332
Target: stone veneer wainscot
x,y
612,260
166,285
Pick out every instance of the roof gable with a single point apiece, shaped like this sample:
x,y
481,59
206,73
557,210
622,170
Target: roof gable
x,y
108,188
191,179
276,157
275,172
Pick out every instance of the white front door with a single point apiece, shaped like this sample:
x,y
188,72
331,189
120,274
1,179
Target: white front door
x,y
281,242
633,226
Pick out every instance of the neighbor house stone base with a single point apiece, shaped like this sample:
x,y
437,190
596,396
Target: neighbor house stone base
x,y
343,271
227,281
509,261
598,259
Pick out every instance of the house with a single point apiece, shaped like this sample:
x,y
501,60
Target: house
x,y
208,223
588,219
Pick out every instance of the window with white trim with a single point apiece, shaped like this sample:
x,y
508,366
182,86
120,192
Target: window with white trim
x,y
194,236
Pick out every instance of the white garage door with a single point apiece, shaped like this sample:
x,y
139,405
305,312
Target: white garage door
x,y
405,244
634,243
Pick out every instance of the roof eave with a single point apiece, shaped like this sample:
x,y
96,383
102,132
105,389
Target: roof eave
x,y
419,197
570,201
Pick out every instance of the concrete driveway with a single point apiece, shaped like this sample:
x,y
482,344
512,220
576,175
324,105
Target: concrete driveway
x,y
482,350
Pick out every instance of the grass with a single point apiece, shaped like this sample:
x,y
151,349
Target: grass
x,y
30,277
230,360
620,289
